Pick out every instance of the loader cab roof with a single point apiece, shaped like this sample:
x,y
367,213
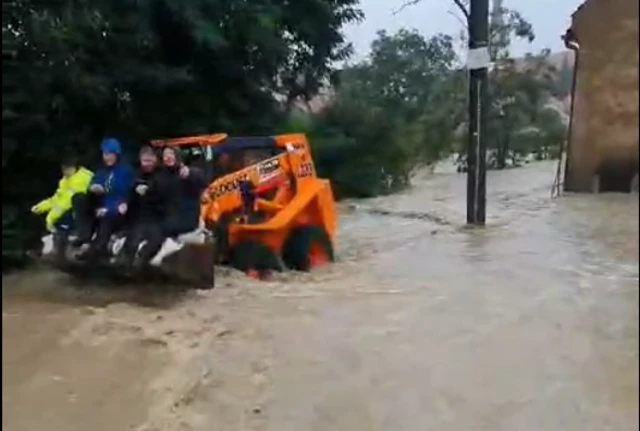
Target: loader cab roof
x,y
241,151
191,141
245,143
215,145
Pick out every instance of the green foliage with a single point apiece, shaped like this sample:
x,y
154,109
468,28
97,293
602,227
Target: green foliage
x,y
506,24
552,132
562,87
518,90
520,94
76,71
392,113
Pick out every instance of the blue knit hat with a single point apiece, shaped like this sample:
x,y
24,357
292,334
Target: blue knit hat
x,y
111,145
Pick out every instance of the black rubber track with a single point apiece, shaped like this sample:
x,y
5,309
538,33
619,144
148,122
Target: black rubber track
x,y
252,255
295,252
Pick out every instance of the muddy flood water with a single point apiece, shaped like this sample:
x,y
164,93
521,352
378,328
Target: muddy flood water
x,y
530,324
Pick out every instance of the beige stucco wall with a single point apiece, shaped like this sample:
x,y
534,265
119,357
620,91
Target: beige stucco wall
x,y
605,122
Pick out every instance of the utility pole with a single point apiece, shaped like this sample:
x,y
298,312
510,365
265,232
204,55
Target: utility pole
x,y
478,62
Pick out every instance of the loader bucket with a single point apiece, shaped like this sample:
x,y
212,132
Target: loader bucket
x,y
192,264
178,263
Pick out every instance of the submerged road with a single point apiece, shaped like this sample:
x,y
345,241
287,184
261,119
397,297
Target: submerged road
x,y
529,324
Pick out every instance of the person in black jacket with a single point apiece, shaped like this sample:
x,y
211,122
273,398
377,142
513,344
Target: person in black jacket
x,y
193,183
166,217
146,208
165,202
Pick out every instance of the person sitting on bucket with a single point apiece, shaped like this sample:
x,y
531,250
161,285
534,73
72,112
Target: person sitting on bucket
x,y
168,192
103,208
152,193
192,184
58,208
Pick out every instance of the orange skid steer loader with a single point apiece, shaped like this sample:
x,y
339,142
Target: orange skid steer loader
x,y
264,210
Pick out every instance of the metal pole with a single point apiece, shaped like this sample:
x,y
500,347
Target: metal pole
x,y
478,63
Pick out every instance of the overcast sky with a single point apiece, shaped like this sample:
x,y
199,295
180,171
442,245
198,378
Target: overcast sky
x,y
550,19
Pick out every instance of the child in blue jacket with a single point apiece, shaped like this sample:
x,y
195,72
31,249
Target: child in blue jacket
x,y
103,209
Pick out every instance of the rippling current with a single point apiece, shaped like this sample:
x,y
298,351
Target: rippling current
x,y
530,323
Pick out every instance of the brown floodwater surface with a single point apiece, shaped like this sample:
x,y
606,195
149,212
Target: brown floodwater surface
x,y
529,324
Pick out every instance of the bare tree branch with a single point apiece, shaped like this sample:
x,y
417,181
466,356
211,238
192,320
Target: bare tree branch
x,y
463,8
460,20
405,5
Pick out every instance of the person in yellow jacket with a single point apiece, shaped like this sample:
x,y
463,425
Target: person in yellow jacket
x,y
75,179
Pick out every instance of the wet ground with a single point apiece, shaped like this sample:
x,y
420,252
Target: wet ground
x,y
529,324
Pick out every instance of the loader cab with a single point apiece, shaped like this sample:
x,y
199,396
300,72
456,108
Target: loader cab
x,y
219,155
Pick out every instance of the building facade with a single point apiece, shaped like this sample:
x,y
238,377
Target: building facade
x,y
602,152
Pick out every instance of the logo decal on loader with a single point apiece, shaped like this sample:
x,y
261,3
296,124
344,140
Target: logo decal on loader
x,y
228,186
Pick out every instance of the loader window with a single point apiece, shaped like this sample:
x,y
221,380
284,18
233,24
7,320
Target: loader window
x,y
233,161
197,157
251,157
193,153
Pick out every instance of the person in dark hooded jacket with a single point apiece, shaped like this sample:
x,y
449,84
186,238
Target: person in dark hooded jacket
x,y
193,184
157,212
102,209
181,187
145,208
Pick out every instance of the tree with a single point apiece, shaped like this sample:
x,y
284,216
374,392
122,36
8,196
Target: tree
x,y
505,24
552,132
393,112
521,93
562,87
504,80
